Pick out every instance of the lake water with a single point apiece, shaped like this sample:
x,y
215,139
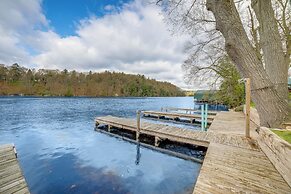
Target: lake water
x,y
60,152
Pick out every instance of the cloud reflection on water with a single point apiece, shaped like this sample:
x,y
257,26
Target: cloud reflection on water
x,y
60,152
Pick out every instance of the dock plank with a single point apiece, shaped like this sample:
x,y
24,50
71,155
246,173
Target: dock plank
x,y
22,191
11,177
228,169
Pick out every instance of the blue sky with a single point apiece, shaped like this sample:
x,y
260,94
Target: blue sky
x,y
64,15
128,36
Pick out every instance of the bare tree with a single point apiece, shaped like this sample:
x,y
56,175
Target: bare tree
x,y
275,62
257,56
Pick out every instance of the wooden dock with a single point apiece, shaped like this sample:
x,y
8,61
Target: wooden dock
x,y
233,163
177,116
186,110
11,177
238,170
177,134
230,169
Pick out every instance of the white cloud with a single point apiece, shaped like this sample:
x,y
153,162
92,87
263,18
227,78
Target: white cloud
x,y
109,8
134,39
17,20
22,15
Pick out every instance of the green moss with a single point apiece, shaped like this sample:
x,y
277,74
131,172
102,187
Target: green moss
x,y
253,105
286,135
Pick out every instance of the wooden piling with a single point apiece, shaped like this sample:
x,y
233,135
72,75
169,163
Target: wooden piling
x,y
157,141
138,125
96,124
248,105
202,117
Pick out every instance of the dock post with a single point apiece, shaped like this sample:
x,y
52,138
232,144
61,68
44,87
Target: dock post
x,y
137,125
96,126
205,118
248,105
192,120
202,117
157,141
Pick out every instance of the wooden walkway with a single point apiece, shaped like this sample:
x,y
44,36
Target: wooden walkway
x,y
226,169
11,177
233,163
175,115
231,123
230,169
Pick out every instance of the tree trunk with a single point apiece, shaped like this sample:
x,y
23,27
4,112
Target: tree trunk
x,y
272,108
274,58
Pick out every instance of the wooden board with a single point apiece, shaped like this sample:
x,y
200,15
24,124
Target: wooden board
x,y
231,123
278,151
11,177
228,169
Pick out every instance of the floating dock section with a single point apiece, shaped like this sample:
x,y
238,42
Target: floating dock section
x,y
175,116
11,177
186,110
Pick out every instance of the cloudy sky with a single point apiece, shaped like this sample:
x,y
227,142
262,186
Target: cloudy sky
x,y
97,35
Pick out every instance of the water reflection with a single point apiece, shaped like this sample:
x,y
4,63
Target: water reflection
x,y
60,152
138,154
75,178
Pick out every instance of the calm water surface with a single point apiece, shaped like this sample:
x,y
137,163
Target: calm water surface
x,y
60,152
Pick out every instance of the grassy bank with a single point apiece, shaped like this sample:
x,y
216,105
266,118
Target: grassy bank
x,y
286,135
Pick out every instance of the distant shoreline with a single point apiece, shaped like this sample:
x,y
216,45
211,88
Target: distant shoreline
x,y
20,81
39,96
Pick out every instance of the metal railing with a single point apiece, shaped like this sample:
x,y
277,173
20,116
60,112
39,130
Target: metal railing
x,y
204,115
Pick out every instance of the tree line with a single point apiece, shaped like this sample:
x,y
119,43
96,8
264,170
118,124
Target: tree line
x,y
17,80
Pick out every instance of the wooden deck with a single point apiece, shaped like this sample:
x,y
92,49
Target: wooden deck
x,y
176,115
11,177
233,163
231,123
237,170
230,169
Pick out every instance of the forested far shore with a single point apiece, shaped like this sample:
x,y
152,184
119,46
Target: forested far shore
x,y
17,80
